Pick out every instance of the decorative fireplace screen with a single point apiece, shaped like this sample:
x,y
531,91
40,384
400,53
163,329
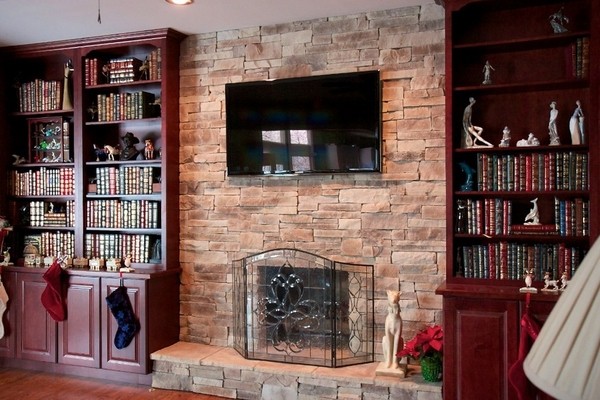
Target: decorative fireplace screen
x,y
295,307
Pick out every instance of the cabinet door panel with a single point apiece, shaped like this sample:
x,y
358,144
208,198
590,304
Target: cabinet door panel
x,y
79,335
482,342
133,357
36,333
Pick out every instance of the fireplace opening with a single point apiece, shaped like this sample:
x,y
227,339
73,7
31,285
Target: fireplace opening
x,y
296,307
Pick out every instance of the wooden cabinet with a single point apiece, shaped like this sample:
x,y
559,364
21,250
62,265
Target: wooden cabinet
x,y
520,168
481,339
71,106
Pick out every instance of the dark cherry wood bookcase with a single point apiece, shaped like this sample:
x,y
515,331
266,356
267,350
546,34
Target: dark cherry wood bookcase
x,y
83,344
486,258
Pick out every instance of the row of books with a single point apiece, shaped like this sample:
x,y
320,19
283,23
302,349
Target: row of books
x,y
40,95
118,246
51,214
122,70
123,214
532,172
43,182
155,64
52,243
578,58
495,217
124,180
126,106
506,260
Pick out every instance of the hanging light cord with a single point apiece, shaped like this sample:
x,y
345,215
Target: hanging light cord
x,y
99,16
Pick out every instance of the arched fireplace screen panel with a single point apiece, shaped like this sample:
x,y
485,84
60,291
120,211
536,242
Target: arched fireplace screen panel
x,y
296,307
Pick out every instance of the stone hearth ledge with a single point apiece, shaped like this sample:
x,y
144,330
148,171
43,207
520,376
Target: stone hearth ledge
x,y
222,371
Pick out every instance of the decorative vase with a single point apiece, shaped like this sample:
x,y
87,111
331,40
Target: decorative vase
x,y
431,369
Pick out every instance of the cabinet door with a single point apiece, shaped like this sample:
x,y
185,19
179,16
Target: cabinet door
x,y
36,331
132,358
79,335
8,341
481,342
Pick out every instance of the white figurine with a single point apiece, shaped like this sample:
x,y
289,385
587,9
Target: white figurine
x,y
393,331
505,142
552,131
576,125
487,73
550,285
530,141
533,218
528,282
564,280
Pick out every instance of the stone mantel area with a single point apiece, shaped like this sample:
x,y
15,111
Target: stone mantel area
x,y
221,371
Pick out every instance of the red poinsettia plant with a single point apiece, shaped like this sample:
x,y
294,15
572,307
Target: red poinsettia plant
x,y
426,343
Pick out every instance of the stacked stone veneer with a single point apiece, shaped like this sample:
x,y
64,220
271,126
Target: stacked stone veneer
x,y
221,371
394,220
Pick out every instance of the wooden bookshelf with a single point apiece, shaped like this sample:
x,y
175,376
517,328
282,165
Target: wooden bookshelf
x,y
490,238
67,196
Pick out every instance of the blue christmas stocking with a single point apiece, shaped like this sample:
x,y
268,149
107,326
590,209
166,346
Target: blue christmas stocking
x,y
120,307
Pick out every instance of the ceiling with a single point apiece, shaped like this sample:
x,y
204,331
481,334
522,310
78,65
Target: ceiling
x,y
34,21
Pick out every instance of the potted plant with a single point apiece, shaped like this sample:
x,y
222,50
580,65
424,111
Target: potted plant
x,y
426,347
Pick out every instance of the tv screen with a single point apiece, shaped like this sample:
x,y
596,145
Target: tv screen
x,y
317,124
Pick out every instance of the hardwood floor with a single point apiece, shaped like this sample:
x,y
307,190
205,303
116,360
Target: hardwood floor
x,y
32,385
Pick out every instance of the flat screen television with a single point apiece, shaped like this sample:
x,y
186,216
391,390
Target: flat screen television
x,y
316,124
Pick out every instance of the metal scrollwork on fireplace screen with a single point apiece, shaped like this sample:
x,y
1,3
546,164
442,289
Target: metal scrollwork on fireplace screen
x,y
297,307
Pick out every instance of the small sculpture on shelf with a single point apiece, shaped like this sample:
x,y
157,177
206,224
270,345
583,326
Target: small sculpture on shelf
x,y
533,217
18,159
129,151
564,280
144,69
127,262
66,99
112,152
552,131
93,112
148,149
472,133
528,282
487,73
100,153
106,73
576,125
156,256
505,142
6,257
550,285
557,20
530,141
468,185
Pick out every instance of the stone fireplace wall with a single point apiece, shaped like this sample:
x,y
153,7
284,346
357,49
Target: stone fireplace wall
x,y
394,220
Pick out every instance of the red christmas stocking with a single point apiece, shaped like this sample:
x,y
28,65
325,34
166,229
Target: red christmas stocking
x,y
529,332
52,296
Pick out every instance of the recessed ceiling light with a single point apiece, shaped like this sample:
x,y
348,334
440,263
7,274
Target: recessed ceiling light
x,y
180,2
